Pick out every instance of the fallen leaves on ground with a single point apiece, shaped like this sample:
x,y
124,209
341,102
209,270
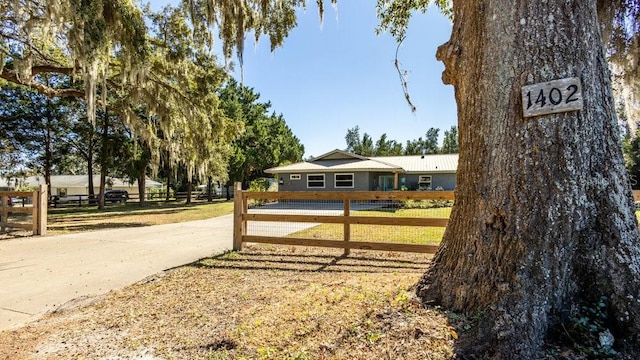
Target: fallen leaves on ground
x,y
266,302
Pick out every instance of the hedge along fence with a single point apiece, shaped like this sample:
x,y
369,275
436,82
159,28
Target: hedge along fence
x,y
289,212
33,206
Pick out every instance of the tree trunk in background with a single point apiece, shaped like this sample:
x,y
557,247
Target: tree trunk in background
x,y
210,189
103,161
543,220
90,174
141,188
189,186
168,177
89,156
48,155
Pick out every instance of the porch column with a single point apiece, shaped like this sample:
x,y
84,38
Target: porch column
x,y
395,181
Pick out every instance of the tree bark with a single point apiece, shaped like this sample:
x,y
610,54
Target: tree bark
x,y
142,188
103,161
169,172
90,175
189,187
543,220
209,189
48,155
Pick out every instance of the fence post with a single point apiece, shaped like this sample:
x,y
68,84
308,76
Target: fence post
x,y
4,211
42,205
237,216
245,210
35,213
347,226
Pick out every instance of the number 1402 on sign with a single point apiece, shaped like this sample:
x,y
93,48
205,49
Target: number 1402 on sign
x,y
552,97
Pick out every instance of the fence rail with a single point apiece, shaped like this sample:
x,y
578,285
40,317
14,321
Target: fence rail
x,y
343,209
346,218
80,200
30,213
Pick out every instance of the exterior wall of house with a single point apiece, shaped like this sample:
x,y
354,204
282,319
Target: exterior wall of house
x,y
70,190
366,181
361,181
445,181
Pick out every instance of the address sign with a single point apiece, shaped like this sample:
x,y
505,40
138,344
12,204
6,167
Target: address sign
x,y
552,97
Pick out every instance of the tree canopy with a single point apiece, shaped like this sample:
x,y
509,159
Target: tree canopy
x,y
153,69
37,129
106,42
365,146
266,140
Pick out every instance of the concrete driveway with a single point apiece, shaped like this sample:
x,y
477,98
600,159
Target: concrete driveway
x,y
39,274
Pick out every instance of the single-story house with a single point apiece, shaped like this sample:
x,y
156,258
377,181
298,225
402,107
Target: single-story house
x,y
341,170
65,185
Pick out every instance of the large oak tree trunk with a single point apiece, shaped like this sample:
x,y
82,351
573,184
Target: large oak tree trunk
x,y
543,220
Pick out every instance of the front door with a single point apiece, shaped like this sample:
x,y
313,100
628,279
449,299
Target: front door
x,y
386,182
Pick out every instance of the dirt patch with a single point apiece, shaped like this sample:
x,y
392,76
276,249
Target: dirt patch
x,y
264,303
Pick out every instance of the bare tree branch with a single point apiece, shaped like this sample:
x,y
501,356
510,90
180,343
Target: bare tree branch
x,y
12,77
403,74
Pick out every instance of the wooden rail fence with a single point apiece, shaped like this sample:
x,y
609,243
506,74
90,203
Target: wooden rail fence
x,y
242,216
37,207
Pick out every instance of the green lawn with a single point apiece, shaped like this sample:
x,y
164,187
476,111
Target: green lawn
x,y
383,233
77,219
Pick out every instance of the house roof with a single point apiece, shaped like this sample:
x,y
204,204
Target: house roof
x,y
338,160
439,163
62,181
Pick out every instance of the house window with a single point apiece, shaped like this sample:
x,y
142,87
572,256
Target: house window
x,y
294,177
424,182
62,191
344,180
315,181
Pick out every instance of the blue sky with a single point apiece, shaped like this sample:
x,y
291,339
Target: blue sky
x,y
330,78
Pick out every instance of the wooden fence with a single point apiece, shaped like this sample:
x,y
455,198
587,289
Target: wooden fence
x,y
242,216
32,203
80,200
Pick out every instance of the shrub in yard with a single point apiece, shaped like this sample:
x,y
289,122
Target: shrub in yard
x,y
260,185
425,204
